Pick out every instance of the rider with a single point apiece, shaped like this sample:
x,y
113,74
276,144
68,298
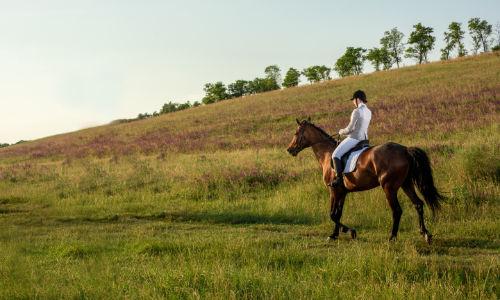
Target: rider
x,y
356,131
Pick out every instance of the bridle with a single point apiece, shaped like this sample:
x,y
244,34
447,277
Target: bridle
x,y
300,137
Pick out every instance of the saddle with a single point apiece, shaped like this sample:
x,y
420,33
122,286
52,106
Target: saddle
x,y
362,144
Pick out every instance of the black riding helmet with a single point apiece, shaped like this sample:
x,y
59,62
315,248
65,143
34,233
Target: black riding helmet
x,y
360,95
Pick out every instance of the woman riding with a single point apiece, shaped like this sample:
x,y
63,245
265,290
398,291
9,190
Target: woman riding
x,y
356,131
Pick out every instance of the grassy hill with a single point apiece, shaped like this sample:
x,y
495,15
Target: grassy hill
x,y
206,202
439,98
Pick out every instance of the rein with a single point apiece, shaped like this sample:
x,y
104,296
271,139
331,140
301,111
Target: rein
x,y
327,140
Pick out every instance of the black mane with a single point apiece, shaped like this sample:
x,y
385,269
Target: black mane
x,y
323,132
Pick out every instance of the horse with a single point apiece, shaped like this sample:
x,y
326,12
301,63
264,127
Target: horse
x,y
390,165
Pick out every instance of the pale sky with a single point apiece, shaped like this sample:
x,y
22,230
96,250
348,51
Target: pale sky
x,y
67,65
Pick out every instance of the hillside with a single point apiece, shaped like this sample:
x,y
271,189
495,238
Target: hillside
x,y
206,203
440,97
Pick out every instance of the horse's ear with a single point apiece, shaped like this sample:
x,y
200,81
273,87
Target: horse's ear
x,y
298,122
308,119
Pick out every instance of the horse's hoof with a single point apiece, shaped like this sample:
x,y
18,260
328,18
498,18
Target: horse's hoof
x,y
331,238
353,234
393,238
428,238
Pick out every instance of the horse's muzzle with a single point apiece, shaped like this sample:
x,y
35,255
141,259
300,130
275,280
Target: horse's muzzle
x,y
293,151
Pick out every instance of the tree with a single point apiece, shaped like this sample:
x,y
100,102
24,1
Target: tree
x,y
380,57
311,73
480,31
393,42
144,116
453,39
273,73
238,88
3,145
183,106
351,63
172,107
317,73
422,43
445,52
387,60
261,85
323,72
292,78
168,107
269,83
214,92
457,36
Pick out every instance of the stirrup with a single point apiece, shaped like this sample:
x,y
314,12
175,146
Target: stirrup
x,y
338,181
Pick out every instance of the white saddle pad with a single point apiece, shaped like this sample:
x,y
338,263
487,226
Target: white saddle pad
x,y
350,165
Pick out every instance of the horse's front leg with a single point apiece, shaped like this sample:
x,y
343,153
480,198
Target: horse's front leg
x,y
336,220
337,199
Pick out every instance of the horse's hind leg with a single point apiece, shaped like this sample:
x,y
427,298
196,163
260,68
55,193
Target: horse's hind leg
x,y
409,190
392,197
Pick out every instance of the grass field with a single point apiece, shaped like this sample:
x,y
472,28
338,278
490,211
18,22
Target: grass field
x,y
206,203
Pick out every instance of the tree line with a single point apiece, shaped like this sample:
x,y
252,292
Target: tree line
x,y
389,53
168,108
3,145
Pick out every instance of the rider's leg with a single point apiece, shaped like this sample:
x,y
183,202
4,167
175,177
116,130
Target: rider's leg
x,y
337,164
341,149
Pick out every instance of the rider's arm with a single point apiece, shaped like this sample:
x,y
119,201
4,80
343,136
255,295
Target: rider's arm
x,y
352,123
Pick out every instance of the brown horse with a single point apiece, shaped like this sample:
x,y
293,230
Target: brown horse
x,y
391,165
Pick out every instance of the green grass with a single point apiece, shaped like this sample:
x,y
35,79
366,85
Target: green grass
x,y
149,227
251,222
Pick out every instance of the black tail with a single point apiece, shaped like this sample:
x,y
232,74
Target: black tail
x,y
421,175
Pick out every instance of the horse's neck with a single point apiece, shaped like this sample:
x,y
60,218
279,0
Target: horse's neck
x,y
322,146
323,152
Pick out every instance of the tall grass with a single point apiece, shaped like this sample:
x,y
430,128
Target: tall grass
x,y
174,207
237,225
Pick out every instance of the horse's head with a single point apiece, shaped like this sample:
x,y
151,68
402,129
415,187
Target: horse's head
x,y
300,140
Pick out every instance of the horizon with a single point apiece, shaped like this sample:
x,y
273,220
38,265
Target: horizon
x,y
69,67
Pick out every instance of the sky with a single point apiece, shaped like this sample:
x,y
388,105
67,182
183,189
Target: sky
x,y
67,64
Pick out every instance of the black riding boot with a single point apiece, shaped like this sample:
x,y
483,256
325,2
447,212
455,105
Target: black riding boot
x,y
339,179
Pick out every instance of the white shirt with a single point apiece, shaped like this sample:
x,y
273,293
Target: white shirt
x,y
358,126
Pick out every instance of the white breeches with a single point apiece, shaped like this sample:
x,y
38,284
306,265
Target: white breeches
x,y
346,145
